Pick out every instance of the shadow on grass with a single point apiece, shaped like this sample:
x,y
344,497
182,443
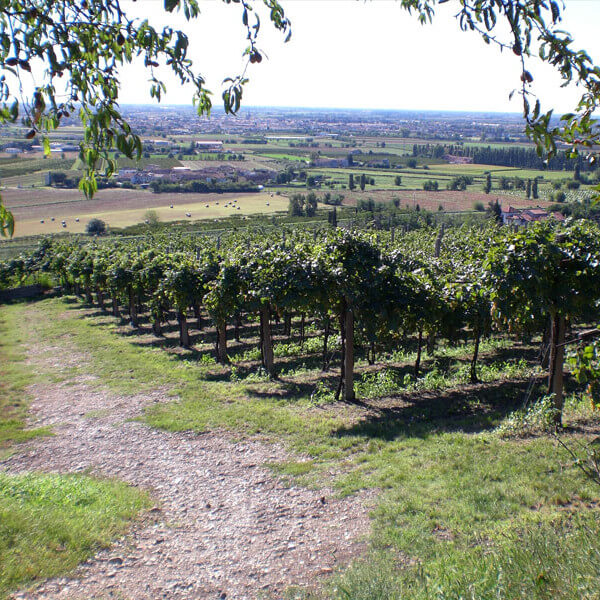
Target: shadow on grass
x,y
469,409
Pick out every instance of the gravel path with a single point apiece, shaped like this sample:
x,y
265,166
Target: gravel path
x,y
224,526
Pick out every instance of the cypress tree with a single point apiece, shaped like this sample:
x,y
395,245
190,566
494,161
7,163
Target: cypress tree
x,y
488,183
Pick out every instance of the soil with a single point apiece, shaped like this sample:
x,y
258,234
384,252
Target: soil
x,y
224,526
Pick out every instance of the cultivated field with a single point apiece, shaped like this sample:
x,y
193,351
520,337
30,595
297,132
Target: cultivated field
x,y
120,208
450,201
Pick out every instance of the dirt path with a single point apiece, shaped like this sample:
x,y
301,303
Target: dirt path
x,y
224,526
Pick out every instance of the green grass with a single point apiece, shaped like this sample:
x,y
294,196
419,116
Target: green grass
x,y
50,523
282,156
463,513
16,376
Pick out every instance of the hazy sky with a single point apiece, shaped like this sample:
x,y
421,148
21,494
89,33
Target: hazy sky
x,y
350,53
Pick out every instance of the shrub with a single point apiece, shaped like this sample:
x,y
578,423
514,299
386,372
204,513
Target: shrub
x,y
151,217
95,227
538,417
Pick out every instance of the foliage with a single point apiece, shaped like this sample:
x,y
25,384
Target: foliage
x,y
459,283
538,417
305,206
95,227
585,366
460,182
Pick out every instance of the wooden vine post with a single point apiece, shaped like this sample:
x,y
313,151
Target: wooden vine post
x,y
349,356
266,340
557,358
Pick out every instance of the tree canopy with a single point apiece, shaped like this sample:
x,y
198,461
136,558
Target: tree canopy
x,y
74,51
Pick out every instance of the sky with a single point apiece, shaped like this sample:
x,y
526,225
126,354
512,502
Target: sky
x,y
360,54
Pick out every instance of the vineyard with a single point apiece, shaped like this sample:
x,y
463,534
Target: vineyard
x,y
358,291
424,369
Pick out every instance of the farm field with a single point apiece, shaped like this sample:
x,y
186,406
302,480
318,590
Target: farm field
x,y
120,208
449,200
251,161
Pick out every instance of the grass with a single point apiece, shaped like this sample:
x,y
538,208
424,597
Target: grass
x,y
282,156
48,523
462,513
16,376
51,523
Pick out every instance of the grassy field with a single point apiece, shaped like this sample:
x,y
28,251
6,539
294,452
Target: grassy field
x,y
16,375
281,156
464,510
48,523
199,206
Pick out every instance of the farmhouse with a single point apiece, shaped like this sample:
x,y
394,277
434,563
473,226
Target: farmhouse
x,y
526,216
331,162
161,143
210,146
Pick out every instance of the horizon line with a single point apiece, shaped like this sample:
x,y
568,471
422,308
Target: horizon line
x,y
330,108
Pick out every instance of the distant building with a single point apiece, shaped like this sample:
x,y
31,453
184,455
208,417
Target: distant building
x,y
209,146
330,162
140,178
525,216
127,173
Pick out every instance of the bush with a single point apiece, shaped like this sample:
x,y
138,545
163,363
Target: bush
x,y
538,417
151,217
478,206
95,227
460,183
